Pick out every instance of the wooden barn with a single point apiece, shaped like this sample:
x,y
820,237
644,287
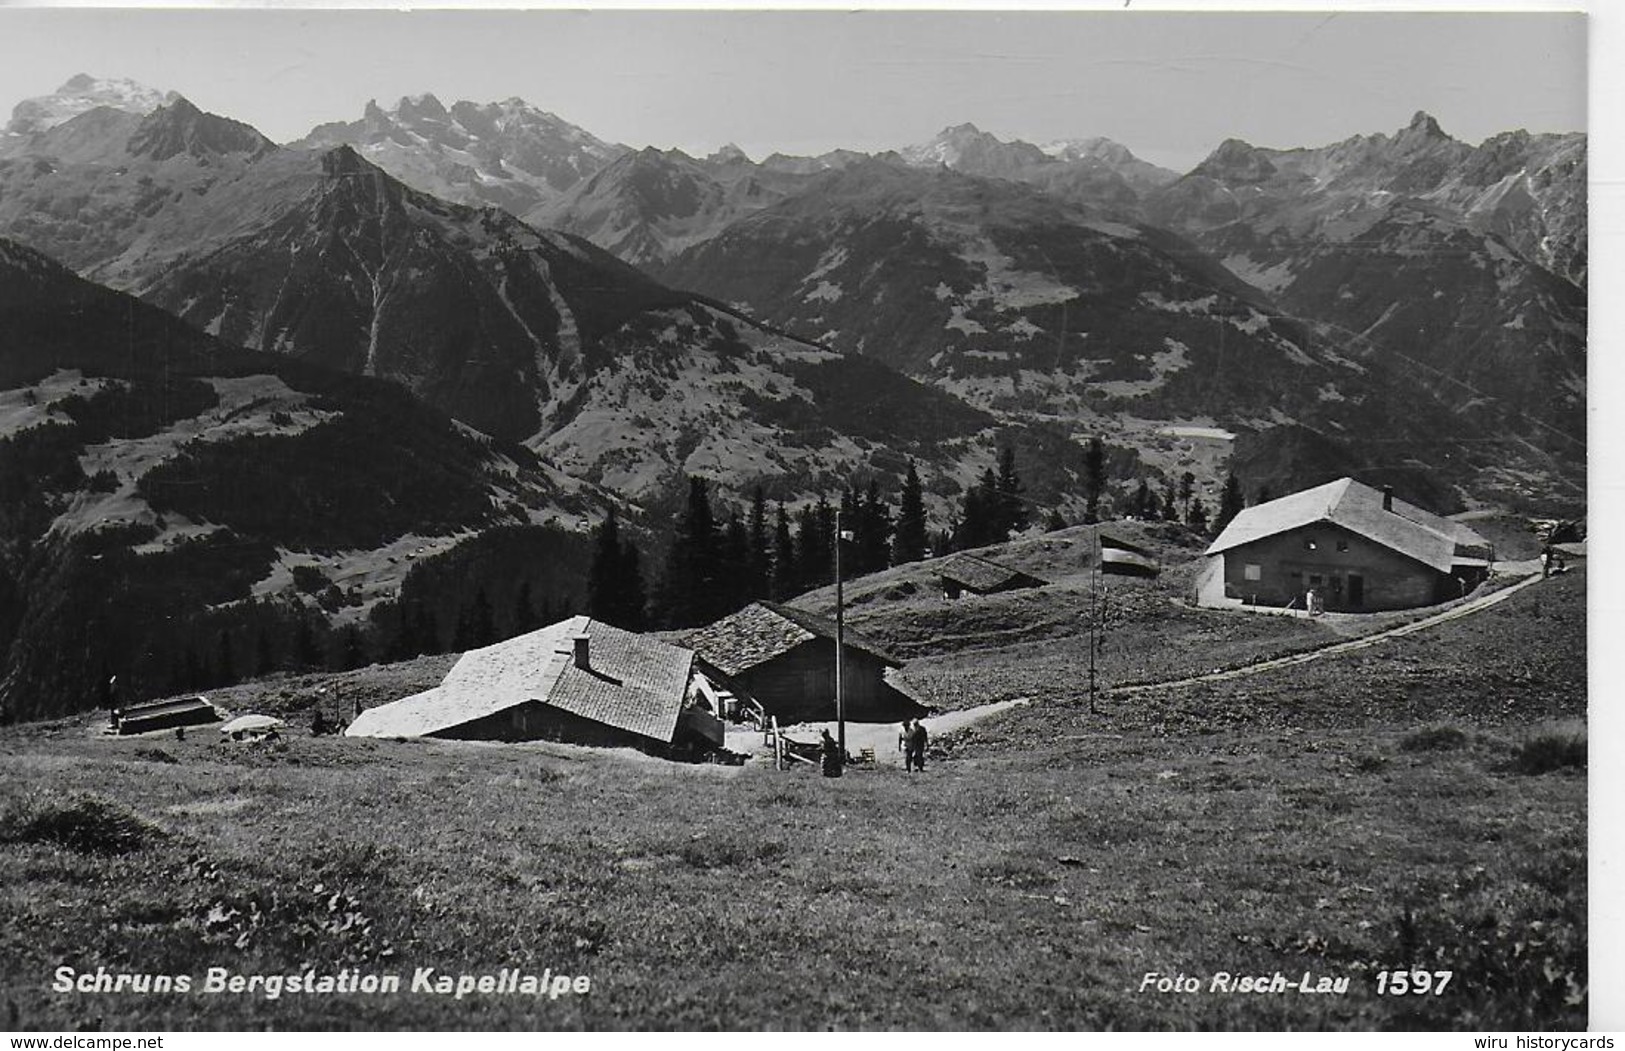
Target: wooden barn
x,y
1356,548
784,658
964,572
581,681
165,715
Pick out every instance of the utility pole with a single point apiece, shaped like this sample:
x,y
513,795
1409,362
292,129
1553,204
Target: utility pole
x,y
840,653
1097,612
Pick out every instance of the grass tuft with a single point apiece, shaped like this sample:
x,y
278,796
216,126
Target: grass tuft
x,y
155,755
717,852
85,824
1548,752
1433,739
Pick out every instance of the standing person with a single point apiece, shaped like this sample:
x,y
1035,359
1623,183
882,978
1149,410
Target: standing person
x,y
902,740
917,739
829,754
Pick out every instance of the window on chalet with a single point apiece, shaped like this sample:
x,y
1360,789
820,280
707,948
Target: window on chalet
x,y
1309,544
1342,545
1252,571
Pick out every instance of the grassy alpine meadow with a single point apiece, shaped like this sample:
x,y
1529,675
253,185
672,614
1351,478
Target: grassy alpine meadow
x,y
1416,807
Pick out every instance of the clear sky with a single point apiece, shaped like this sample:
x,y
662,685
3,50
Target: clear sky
x,y
1169,86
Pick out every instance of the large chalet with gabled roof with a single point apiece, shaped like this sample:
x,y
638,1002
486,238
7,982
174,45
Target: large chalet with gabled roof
x,y
1356,548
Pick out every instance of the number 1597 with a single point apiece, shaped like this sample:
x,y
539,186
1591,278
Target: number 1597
x,y
1416,983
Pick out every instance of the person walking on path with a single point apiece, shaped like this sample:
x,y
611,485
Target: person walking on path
x,y
914,757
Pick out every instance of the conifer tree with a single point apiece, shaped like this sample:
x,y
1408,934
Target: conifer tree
x,y
689,585
809,549
1094,479
1231,502
785,573
911,526
476,626
524,609
1011,500
761,555
824,513
1145,504
733,582
1170,504
1196,517
352,654
634,592
604,575
225,666
306,652
874,537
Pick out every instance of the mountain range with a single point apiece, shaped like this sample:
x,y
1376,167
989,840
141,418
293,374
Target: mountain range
x,y
526,335
539,325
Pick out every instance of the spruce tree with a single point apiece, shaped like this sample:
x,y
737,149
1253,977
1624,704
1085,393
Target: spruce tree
x,y
733,582
761,555
524,609
1170,504
1196,517
911,527
809,550
634,593
306,653
264,659
604,575
225,667
352,654
1231,502
1145,504
874,540
824,514
1094,479
785,573
475,625
1012,502
689,585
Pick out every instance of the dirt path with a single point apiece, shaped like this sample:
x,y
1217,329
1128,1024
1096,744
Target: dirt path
x,y
1364,641
882,737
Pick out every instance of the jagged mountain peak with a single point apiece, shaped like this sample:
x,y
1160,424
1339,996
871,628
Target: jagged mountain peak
x,y
1095,147
965,147
506,154
1423,121
421,107
729,154
1236,160
1422,132
181,127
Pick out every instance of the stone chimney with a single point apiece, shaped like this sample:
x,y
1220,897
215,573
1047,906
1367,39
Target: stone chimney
x,y
1387,498
581,644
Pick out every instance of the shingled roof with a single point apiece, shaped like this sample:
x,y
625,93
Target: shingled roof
x,y
632,682
983,574
764,630
1428,538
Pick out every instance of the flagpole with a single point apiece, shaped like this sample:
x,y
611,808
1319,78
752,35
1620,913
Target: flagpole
x,y
840,631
